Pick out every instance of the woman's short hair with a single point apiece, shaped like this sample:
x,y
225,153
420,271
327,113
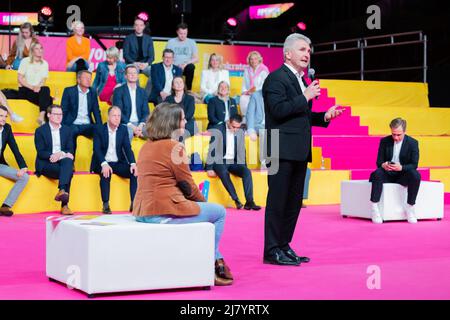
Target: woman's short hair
x,y
254,53
113,52
215,55
220,83
76,24
164,121
33,45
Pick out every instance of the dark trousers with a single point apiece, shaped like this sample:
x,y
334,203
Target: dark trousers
x,y
122,169
188,72
42,98
240,170
284,202
86,130
410,179
61,170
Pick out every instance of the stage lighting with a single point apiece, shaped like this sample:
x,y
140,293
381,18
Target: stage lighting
x,y
143,16
301,26
45,17
230,30
232,22
46,12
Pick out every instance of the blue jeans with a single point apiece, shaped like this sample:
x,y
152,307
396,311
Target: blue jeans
x,y
209,212
16,63
74,66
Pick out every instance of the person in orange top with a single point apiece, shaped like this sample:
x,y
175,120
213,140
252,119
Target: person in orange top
x,y
78,49
166,191
21,47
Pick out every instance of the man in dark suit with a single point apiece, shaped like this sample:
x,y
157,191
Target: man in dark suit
x,y
397,161
133,102
54,146
162,76
287,106
227,155
221,108
80,107
19,176
113,154
138,50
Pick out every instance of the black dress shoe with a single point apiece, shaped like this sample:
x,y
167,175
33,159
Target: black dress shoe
x,y
291,254
280,258
251,206
106,209
238,204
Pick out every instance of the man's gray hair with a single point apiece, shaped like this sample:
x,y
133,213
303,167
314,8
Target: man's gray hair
x,y
291,39
398,122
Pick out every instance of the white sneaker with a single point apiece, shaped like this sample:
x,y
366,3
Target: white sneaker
x,y
16,118
411,214
376,215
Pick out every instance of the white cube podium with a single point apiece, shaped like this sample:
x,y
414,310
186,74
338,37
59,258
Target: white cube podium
x,y
114,253
355,200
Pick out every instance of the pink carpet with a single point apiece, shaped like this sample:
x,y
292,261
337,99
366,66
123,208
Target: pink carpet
x,y
414,260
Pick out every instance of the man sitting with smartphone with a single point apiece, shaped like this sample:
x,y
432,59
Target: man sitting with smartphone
x,y
398,157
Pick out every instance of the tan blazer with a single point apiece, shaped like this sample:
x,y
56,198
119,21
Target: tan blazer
x,y
162,166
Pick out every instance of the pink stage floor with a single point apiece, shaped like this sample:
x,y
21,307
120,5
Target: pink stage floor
x,y
414,260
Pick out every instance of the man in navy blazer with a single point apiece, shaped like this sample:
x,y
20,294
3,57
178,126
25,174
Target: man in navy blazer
x,y
138,50
80,107
113,155
162,76
19,176
133,102
397,161
54,147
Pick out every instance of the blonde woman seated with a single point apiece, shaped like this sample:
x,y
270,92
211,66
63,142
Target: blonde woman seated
x,y
254,75
78,49
212,77
166,191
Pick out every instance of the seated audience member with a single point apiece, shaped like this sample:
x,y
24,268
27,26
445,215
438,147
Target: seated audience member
x,y
255,116
80,107
221,108
133,102
138,50
54,160
187,102
398,157
78,49
32,75
4,102
254,75
113,155
19,176
109,75
212,76
186,53
21,47
162,76
166,190
227,155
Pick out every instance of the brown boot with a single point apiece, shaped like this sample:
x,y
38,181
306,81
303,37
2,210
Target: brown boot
x,y
218,281
62,196
222,270
66,211
6,211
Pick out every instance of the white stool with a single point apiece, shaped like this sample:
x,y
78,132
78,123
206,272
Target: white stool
x,y
117,254
355,200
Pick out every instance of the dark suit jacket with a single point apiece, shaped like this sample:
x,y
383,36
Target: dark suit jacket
x,y
69,104
8,139
216,112
122,99
159,79
44,144
130,49
101,143
409,153
217,150
287,110
188,104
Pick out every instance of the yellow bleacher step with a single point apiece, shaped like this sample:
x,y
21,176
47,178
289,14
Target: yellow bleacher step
x,y
443,175
434,151
85,195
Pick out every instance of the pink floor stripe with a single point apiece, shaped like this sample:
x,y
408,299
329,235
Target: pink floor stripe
x,y
414,260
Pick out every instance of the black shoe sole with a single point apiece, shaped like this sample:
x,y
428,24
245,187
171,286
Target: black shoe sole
x,y
296,264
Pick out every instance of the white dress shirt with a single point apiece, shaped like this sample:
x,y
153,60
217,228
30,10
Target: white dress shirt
x,y
227,109
396,153
134,116
83,114
169,77
229,154
111,154
56,138
298,75
1,132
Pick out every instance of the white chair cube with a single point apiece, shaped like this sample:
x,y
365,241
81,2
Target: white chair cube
x,y
117,254
355,200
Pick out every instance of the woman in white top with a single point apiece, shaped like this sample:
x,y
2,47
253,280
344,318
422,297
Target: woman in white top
x,y
254,75
212,77
32,74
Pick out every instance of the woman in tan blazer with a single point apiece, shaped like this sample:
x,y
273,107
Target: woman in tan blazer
x,y
166,192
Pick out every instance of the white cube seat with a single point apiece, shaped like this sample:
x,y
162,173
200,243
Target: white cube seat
x,y
115,253
355,200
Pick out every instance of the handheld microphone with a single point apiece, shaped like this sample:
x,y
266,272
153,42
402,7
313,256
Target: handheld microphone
x,y
312,76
